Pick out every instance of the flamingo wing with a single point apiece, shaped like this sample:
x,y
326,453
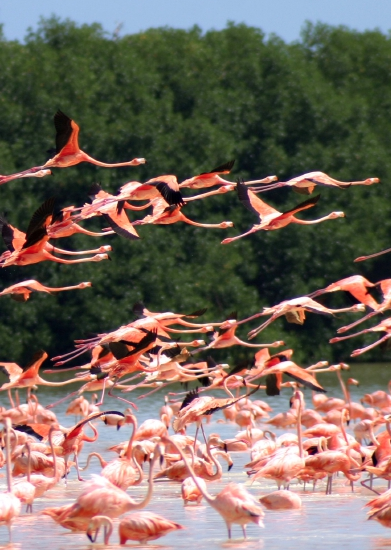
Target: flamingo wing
x,y
120,223
67,132
253,203
169,194
222,169
309,203
12,370
41,218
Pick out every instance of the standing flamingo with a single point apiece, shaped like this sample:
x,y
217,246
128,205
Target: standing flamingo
x,y
234,503
9,504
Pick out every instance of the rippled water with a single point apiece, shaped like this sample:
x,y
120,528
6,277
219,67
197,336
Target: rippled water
x,y
337,520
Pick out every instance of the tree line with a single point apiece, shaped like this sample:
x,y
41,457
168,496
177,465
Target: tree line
x,y
188,101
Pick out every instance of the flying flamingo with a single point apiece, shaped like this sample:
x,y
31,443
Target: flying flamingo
x,y
375,255
111,209
357,286
212,178
225,337
28,376
306,183
64,225
21,291
383,326
31,173
164,214
270,218
234,503
385,287
294,310
9,504
33,247
68,152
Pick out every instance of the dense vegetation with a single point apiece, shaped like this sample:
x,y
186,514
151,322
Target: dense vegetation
x,y
189,101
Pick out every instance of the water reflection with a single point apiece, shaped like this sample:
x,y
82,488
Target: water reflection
x,y
338,520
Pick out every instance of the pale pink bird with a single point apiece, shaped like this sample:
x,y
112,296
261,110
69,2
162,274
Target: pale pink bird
x,y
383,326
21,291
234,503
294,310
31,173
139,526
99,497
270,218
306,183
281,500
9,504
357,286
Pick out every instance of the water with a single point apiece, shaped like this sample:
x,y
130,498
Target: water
x,y
337,520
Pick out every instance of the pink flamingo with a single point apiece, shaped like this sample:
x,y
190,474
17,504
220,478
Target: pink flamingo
x,y
234,503
68,152
281,500
98,497
31,173
21,291
9,504
306,183
140,526
270,218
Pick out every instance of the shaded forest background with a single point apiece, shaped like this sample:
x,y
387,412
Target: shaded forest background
x,y
188,101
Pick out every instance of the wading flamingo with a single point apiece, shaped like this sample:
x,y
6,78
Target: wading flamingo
x,y
9,504
139,526
234,503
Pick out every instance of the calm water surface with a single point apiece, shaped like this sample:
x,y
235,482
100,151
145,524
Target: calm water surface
x,y
334,521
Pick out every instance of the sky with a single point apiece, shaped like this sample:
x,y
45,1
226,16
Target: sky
x,y
285,18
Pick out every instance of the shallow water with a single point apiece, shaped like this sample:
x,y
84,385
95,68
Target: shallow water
x,y
337,520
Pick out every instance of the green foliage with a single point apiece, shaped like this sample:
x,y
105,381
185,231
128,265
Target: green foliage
x,y
188,101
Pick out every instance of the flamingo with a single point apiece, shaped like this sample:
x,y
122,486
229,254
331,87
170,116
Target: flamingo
x,y
234,503
28,376
385,287
140,526
9,503
21,291
111,209
294,310
383,326
31,173
165,214
306,183
357,286
212,178
281,500
68,152
270,218
98,497
33,247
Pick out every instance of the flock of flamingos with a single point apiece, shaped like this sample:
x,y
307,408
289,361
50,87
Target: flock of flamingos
x,y
148,353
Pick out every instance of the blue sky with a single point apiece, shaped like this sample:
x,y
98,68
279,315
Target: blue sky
x,y
282,17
